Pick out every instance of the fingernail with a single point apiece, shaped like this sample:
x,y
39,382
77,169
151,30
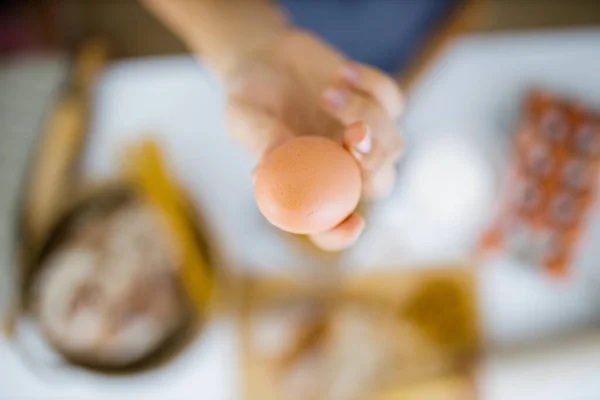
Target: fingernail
x,y
350,74
364,146
335,97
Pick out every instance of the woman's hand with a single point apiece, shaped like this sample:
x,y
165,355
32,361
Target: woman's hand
x,y
283,82
297,85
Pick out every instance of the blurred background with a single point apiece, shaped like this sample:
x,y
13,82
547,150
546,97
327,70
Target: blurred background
x,y
455,291
54,25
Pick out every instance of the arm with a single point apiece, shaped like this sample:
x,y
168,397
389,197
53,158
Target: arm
x,y
284,82
223,31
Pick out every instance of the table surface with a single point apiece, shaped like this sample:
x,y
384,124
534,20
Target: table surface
x,y
473,92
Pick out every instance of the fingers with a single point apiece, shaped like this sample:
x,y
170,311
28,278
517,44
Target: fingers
x,y
371,137
348,106
368,152
376,84
378,170
342,236
380,183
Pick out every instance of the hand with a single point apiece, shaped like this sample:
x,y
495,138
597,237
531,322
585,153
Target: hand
x,y
283,82
296,85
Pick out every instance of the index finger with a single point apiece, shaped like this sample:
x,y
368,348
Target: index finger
x,y
376,84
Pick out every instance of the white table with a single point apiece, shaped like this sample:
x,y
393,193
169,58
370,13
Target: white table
x,y
459,115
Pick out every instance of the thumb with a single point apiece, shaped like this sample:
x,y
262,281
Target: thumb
x,y
342,236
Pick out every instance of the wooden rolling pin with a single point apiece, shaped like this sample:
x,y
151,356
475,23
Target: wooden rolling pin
x,y
53,167
53,170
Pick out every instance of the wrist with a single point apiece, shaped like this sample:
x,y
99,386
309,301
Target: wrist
x,y
230,49
223,32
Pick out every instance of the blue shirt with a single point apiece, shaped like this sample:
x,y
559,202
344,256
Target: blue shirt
x,y
384,33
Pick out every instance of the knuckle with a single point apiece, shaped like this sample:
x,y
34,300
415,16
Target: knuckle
x,y
382,83
379,79
375,116
354,109
365,108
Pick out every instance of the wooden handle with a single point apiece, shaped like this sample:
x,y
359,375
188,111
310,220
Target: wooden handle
x,y
53,170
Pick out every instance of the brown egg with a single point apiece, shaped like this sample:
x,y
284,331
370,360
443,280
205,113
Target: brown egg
x,y
307,185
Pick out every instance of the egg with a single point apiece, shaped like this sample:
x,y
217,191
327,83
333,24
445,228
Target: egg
x,y
307,185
